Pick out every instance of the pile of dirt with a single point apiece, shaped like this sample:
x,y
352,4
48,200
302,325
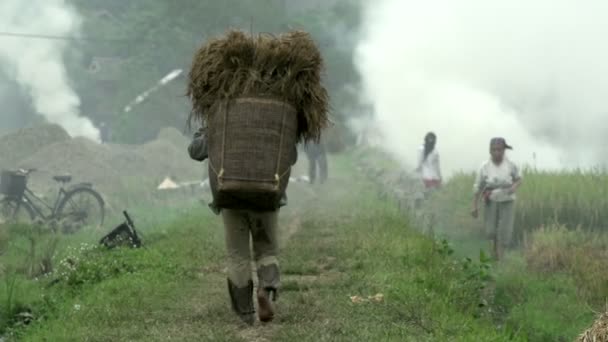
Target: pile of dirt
x,y
169,160
115,170
25,142
172,135
84,159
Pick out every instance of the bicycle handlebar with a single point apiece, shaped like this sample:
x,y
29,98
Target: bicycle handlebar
x,y
129,221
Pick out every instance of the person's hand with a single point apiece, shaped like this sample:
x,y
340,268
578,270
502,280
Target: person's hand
x,y
511,190
475,212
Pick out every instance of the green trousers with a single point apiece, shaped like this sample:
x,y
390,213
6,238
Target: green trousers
x,y
499,218
247,230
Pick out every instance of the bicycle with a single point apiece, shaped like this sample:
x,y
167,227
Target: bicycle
x,y
74,208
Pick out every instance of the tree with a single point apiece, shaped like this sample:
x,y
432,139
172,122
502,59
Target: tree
x,y
148,39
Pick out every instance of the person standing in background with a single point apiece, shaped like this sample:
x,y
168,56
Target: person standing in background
x,y
316,156
496,184
104,132
428,163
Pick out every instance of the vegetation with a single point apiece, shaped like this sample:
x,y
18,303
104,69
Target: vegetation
x,y
357,271
552,283
577,253
146,40
77,265
338,282
131,45
575,199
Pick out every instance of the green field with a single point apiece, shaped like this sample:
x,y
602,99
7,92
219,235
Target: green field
x,y
355,268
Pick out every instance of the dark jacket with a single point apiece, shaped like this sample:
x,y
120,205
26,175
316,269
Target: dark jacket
x,y
198,148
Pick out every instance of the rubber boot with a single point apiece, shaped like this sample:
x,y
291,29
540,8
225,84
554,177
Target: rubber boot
x,y
268,277
242,301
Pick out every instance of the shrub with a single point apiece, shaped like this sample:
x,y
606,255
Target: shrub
x,y
90,264
36,246
580,253
570,198
3,238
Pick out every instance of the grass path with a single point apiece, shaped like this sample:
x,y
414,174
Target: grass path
x,y
338,243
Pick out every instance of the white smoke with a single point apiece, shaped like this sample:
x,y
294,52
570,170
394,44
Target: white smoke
x,y
534,72
37,64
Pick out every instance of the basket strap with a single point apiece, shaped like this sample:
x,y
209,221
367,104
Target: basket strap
x,y
213,168
277,177
220,175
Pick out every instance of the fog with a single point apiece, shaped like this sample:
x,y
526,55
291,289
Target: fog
x,y
533,72
37,64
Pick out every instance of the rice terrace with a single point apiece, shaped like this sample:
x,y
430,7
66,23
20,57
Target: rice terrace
x,y
282,170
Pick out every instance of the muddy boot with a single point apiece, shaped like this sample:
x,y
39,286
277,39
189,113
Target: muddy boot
x,y
242,301
265,308
267,291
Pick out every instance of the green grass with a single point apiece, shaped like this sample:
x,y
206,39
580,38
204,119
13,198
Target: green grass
x,y
580,254
550,286
337,242
353,245
122,294
542,307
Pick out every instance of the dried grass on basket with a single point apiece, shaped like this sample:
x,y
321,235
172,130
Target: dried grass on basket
x,y
598,332
287,67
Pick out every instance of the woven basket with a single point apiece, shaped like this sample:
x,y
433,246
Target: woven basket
x,y
251,151
12,184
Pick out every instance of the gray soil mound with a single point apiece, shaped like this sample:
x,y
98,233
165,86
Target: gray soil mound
x,y
25,142
124,174
172,135
85,160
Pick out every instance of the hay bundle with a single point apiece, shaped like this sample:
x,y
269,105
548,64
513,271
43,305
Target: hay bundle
x,y
287,67
598,332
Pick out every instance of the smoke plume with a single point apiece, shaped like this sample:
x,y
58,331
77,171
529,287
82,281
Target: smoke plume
x,y
534,72
37,65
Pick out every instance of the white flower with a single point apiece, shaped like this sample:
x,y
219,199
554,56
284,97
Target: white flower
x,y
76,307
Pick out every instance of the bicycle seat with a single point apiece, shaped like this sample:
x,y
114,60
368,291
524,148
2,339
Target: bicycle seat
x,y
63,178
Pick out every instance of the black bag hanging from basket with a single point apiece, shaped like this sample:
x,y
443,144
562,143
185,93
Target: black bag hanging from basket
x,y
12,184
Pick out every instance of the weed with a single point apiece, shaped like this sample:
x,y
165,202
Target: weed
x,y
581,254
570,198
4,238
10,281
544,294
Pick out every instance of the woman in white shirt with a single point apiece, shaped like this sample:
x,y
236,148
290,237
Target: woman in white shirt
x,y
496,183
428,163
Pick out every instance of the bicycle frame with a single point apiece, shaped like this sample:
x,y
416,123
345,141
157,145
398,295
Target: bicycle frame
x,y
28,195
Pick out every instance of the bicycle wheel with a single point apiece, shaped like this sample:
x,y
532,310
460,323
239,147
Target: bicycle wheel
x,y
81,208
16,211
